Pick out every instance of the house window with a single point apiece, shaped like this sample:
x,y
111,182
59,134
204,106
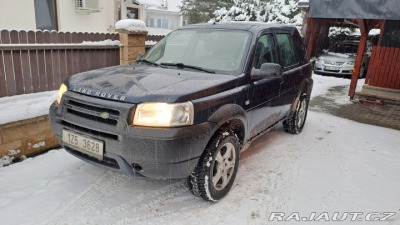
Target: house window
x,y
132,13
45,14
151,22
165,23
158,23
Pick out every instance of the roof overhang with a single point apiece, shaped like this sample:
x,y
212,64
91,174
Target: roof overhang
x,y
354,9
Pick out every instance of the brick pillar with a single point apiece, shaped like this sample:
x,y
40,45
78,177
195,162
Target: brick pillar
x,y
132,42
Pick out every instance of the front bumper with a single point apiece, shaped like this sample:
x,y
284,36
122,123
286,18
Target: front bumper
x,y
323,68
152,152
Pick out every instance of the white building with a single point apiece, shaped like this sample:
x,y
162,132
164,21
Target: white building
x,y
163,19
65,15
84,15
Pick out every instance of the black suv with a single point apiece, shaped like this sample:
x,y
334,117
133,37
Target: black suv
x,y
190,105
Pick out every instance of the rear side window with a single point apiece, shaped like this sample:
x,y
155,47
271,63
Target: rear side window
x,y
286,49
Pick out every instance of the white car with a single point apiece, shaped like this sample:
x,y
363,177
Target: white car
x,y
340,59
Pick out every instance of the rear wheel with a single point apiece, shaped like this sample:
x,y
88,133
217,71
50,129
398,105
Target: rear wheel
x,y
216,170
295,122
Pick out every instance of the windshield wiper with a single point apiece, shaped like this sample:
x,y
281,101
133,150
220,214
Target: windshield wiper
x,y
181,65
149,62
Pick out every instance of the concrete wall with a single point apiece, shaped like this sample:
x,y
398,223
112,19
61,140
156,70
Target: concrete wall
x,y
26,137
20,15
17,14
70,19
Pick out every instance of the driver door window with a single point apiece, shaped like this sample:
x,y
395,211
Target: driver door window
x,y
264,51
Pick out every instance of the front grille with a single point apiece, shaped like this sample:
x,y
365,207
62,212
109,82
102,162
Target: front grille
x,y
89,131
96,113
91,117
331,70
109,162
329,62
339,63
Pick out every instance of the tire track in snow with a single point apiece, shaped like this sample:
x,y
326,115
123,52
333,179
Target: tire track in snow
x,y
144,202
177,208
173,203
103,187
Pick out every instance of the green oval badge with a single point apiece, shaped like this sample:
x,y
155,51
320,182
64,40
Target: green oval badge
x,y
105,115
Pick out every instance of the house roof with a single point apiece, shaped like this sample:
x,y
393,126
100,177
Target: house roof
x,y
354,9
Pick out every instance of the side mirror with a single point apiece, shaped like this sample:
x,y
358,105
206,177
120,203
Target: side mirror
x,y
267,70
139,56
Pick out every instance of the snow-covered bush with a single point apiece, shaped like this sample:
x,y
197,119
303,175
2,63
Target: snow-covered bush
x,y
272,11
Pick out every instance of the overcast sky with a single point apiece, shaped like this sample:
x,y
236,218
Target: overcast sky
x,y
173,5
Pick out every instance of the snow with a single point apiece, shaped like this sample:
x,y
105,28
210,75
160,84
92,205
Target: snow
x,y
150,43
334,31
323,83
276,11
334,165
105,42
5,161
131,25
25,106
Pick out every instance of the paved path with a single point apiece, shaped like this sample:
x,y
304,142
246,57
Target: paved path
x,y
380,115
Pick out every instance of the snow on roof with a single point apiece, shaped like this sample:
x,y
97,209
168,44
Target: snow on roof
x,y
172,6
131,25
304,3
151,3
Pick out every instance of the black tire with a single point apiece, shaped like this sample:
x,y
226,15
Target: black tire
x,y
223,146
192,184
295,122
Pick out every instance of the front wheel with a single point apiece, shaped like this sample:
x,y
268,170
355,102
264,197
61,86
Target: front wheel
x,y
295,122
216,170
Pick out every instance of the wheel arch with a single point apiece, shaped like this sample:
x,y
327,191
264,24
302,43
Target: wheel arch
x,y
231,117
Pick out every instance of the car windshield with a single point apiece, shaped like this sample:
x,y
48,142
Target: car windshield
x,y
345,48
212,50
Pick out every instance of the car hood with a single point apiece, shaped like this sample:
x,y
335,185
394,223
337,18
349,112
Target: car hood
x,y
332,56
141,83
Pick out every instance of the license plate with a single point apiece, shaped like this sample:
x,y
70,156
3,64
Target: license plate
x,y
83,144
331,68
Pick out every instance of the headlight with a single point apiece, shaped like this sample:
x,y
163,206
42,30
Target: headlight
x,y
350,63
61,92
164,114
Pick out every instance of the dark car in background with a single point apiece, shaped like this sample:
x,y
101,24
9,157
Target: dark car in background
x,y
339,60
190,105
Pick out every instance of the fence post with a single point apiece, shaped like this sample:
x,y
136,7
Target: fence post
x,y
132,35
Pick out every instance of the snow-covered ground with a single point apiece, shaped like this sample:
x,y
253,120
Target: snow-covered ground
x,y
334,165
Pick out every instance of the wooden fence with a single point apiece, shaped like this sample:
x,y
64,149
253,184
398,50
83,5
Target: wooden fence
x,y
155,38
36,61
384,68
